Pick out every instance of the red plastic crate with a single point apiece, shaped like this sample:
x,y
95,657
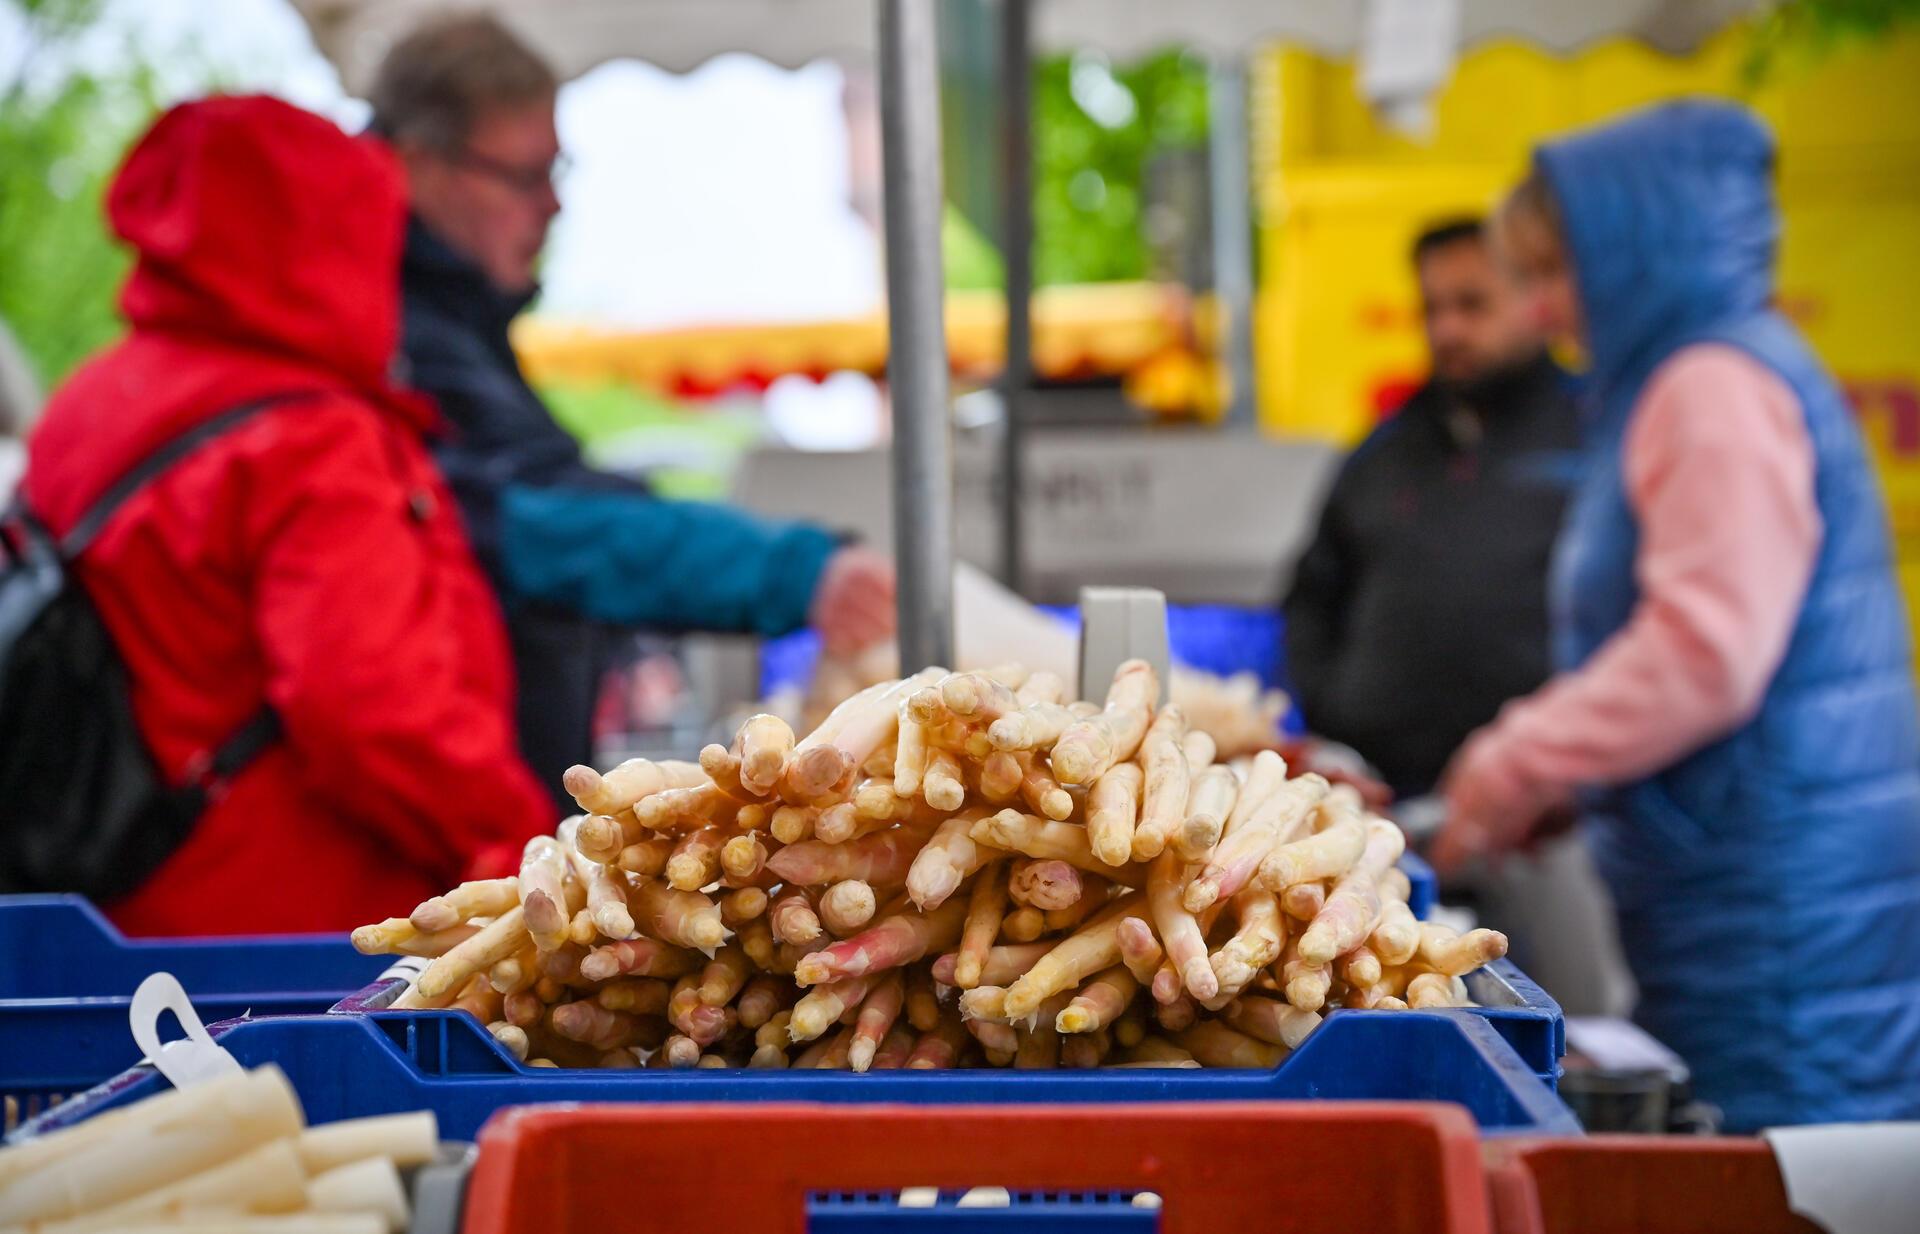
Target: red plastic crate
x,y
1382,1167
1626,1184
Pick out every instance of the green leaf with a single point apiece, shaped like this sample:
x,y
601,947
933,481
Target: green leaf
x,y
60,143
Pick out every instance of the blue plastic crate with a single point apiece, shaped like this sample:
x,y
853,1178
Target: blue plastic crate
x,y
1526,1017
1222,639
1216,638
1424,885
355,1062
66,975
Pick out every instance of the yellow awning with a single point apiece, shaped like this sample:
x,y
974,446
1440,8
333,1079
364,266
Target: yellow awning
x,y
1096,330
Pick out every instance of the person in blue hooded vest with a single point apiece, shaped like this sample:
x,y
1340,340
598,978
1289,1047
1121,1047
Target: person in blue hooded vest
x,y
579,556
1735,705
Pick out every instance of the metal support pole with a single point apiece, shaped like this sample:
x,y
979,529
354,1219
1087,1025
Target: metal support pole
x,y
917,348
1016,228
1231,195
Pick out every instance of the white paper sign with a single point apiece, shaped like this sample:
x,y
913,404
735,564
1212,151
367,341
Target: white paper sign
x,y
1852,1178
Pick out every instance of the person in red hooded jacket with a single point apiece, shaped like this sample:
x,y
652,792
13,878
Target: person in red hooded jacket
x,y
309,558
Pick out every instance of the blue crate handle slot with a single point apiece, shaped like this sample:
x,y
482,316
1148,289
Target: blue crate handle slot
x,y
1027,1213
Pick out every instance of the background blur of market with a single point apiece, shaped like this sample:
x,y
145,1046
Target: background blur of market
x,y
1220,238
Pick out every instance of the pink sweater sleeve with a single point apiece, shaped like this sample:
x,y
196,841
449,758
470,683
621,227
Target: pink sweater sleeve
x,y
1719,473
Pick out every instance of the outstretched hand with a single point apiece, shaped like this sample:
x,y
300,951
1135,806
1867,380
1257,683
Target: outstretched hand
x,y
1492,807
853,603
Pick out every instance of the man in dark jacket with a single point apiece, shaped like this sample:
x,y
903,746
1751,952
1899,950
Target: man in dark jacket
x,y
575,552
1420,606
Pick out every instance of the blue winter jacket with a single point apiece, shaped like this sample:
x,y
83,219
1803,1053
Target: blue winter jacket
x,y
576,553
1768,884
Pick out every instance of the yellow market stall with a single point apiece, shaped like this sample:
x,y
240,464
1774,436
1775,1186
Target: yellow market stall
x,y
1340,199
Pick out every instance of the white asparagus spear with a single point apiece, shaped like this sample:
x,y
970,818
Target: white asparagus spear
x,y
1115,810
628,783
276,1223
607,890
1179,930
266,1180
1354,903
502,937
1328,853
370,1185
182,1104
482,898
1049,841
133,1159
1163,799
766,743
947,860
1237,858
405,1139
1088,747
543,896
1210,801
909,754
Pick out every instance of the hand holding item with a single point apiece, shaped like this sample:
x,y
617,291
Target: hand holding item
x,y
853,603
1493,807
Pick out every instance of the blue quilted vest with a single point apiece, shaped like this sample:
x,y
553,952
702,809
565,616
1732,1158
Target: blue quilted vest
x,y
1769,884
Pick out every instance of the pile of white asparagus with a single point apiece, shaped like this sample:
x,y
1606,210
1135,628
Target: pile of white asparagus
x,y
1240,714
952,869
229,1156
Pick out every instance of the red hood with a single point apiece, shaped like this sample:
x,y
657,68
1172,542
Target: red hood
x,y
264,225
268,246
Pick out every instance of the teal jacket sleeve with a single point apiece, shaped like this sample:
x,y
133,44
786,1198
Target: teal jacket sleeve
x,y
630,559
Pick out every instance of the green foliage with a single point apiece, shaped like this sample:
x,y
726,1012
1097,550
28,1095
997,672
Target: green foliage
x,y
1096,129
60,142
972,262
599,412
1816,27
691,450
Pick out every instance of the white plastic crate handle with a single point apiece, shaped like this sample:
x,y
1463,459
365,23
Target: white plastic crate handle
x,y
193,1059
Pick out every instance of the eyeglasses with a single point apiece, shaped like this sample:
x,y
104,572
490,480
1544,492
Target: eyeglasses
x,y
527,180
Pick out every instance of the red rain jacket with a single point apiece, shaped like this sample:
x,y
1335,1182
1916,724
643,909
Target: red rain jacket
x,y
310,557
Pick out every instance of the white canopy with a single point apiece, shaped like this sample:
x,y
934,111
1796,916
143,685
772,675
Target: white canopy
x,y
680,35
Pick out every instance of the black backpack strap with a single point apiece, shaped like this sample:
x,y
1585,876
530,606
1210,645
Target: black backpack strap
x,y
208,773
89,525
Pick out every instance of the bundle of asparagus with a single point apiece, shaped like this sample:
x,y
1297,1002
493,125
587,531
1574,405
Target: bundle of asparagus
x,y
230,1155
952,868
1236,711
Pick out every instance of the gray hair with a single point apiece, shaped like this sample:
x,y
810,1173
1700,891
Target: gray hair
x,y
438,80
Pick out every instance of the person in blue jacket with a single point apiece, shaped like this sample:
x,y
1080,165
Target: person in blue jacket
x,y
576,553
1735,704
